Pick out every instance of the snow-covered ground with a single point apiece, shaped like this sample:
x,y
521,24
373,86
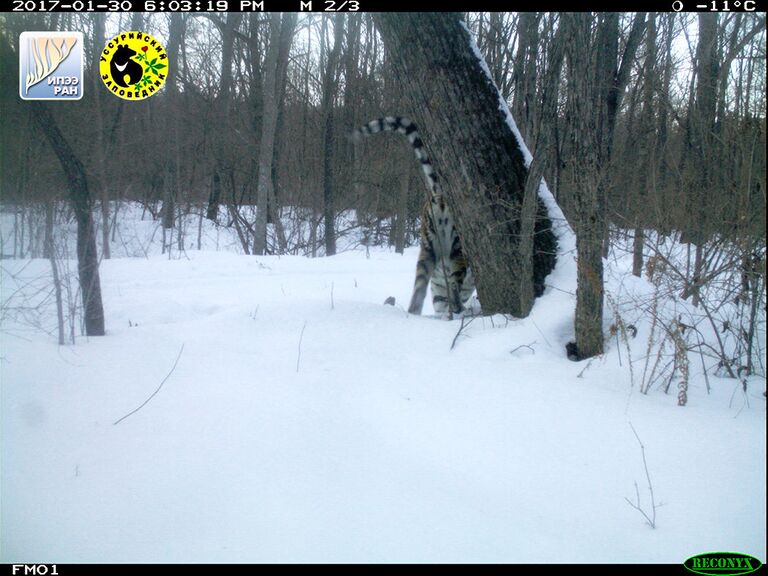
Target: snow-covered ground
x,y
306,421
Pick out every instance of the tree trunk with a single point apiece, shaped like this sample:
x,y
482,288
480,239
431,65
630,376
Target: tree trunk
x,y
702,126
223,105
352,97
50,253
457,108
589,206
648,143
99,147
172,151
287,28
330,85
87,257
267,140
596,83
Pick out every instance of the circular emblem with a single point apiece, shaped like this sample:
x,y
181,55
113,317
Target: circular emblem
x,y
133,65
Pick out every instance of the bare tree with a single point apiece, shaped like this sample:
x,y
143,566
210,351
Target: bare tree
x,y
589,220
647,140
172,153
267,141
224,109
330,87
99,141
701,131
50,248
596,81
87,257
287,27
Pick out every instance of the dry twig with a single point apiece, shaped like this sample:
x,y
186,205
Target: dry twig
x,y
153,393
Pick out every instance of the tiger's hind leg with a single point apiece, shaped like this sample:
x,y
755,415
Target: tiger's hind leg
x,y
425,268
467,287
458,277
452,283
442,295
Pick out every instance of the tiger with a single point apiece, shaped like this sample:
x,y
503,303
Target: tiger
x,y
441,258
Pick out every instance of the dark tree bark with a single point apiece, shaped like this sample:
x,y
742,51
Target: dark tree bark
x,y
103,191
596,83
647,144
457,109
701,134
173,155
87,258
353,96
617,73
610,79
224,105
267,141
287,27
589,205
330,85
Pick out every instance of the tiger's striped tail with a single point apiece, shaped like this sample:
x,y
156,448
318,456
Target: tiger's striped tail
x,y
404,126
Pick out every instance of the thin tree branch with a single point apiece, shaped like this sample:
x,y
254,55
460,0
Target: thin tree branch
x,y
153,393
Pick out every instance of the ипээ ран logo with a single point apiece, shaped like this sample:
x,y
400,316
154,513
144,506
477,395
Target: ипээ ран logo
x,y
722,563
133,65
51,65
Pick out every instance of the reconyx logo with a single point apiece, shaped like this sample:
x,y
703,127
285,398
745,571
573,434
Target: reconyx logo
x,y
718,563
133,65
51,65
